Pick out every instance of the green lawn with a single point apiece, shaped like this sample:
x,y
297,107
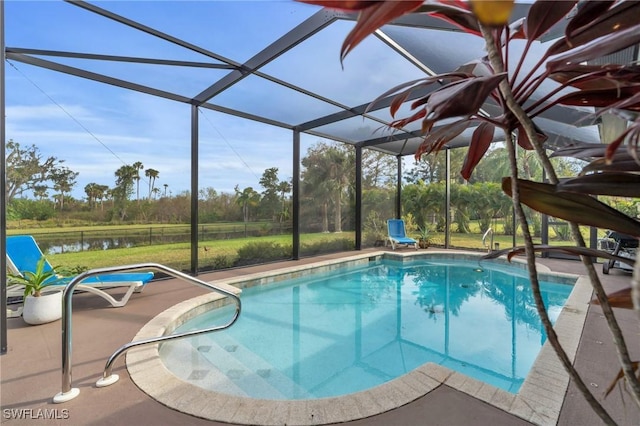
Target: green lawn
x,y
178,255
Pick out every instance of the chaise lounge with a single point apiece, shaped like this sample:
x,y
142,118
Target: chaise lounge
x,y
398,234
23,253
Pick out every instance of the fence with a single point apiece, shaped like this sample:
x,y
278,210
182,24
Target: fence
x,y
111,238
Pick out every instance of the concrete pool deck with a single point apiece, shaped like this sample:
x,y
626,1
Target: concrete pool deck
x,y
31,371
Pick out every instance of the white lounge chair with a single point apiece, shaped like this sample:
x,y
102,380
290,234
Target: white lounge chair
x,y
23,254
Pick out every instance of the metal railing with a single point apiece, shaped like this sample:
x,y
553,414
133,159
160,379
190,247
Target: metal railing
x,y
488,233
68,392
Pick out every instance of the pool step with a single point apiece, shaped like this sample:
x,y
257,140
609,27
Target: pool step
x,y
227,366
245,369
185,362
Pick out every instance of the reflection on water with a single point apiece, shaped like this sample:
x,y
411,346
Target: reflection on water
x,y
327,335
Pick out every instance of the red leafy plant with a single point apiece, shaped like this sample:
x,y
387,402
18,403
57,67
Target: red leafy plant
x,y
455,102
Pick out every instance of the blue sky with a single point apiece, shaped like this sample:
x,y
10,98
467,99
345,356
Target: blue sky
x,y
97,128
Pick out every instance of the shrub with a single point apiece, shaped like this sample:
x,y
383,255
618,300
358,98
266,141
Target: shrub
x,y
261,252
328,246
223,261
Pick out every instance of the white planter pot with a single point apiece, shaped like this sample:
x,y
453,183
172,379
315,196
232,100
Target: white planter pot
x,y
43,309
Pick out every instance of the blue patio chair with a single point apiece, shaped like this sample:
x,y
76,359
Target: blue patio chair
x,y
23,254
398,234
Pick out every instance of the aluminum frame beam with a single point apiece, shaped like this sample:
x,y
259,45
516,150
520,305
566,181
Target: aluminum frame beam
x,y
306,29
116,58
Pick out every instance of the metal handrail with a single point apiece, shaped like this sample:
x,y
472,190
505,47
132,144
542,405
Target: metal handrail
x,y
484,237
68,392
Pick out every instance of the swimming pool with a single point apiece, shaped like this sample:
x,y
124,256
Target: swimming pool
x,y
388,313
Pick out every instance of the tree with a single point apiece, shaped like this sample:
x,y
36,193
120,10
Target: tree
x,y
40,191
378,169
246,198
26,169
125,176
284,187
152,174
90,190
137,166
270,200
431,168
64,180
326,177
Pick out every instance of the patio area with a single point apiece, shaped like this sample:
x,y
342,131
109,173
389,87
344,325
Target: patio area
x,y
31,370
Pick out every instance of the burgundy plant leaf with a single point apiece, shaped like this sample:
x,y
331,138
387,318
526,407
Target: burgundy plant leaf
x,y
543,15
455,12
523,138
373,17
626,164
397,102
480,142
413,85
595,49
476,68
601,98
516,30
436,139
587,12
582,150
571,206
613,146
615,184
632,103
593,77
398,124
635,365
461,98
621,16
619,299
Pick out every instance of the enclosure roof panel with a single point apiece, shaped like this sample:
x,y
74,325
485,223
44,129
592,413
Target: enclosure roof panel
x,y
273,62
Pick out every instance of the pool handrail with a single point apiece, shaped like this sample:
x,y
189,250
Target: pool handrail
x,y
68,392
488,232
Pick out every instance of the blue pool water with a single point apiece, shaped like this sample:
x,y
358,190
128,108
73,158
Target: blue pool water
x,y
354,329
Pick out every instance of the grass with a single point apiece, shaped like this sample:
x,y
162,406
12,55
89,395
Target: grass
x,y
178,255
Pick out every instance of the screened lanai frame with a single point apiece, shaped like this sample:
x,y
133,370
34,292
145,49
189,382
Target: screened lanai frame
x,y
397,37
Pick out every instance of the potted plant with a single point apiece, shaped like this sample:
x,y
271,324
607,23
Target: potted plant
x,y
39,308
423,236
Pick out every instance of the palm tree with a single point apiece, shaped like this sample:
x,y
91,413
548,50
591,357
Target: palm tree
x,y
101,192
165,189
284,187
137,166
246,198
152,174
90,190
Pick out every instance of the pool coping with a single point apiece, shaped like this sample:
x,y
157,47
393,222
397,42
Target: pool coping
x,y
539,400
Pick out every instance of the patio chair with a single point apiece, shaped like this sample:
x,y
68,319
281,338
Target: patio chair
x,y
398,235
619,245
23,253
